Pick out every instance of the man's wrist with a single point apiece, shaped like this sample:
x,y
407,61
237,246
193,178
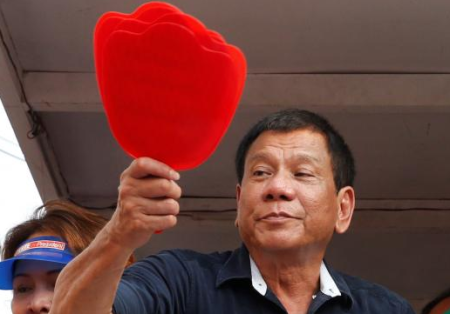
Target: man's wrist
x,y
111,246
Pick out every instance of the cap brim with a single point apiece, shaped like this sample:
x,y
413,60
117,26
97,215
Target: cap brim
x,y
7,266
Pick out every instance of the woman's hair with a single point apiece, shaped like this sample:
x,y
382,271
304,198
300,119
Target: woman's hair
x,y
60,218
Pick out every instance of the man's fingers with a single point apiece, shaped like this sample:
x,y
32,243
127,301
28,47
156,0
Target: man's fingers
x,y
155,207
149,188
159,188
159,223
144,167
147,202
146,225
161,207
135,208
139,216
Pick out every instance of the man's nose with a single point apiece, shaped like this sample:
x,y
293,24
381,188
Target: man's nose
x,y
41,301
279,187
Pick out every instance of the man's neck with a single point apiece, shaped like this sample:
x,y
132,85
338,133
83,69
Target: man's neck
x,y
292,277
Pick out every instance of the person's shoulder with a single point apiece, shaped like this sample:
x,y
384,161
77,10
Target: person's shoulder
x,y
186,256
176,261
357,284
363,291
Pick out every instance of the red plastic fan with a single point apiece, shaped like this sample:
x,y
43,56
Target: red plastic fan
x,y
170,86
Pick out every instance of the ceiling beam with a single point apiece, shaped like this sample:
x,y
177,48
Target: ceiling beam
x,y
77,92
228,204
37,153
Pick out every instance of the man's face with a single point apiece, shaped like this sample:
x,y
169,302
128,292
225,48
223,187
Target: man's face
x,y
287,198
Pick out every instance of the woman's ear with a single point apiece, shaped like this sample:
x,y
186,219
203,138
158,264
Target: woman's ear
x,y
346,207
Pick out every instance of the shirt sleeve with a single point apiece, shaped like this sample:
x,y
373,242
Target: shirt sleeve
x,y
158,284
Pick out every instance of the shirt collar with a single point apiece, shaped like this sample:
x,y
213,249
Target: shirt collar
x,y
327,284
341,284
238,266
258,281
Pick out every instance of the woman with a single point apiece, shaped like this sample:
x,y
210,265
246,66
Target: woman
x,y
35,251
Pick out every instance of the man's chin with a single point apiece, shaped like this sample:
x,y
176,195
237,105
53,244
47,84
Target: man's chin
x,y
278,241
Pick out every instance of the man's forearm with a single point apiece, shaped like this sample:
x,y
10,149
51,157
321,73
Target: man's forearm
x,y
89,283
147,202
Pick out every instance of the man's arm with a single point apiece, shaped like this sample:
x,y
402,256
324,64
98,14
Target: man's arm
x,y
147,203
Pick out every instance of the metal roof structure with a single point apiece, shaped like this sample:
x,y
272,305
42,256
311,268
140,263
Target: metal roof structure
x,y
379,70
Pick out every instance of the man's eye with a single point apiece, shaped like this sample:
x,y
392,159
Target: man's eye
x,y
259,173
303,174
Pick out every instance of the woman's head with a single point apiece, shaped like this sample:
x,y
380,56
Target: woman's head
x,y
60,218
33,271
35,251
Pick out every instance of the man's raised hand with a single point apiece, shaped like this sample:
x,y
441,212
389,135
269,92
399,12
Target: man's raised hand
x,y
147,203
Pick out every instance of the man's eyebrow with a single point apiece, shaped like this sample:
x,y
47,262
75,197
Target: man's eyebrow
x,y
307,158
302,157
259,156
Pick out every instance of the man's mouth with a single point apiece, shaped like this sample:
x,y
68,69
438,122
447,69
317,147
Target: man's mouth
x,y
277,216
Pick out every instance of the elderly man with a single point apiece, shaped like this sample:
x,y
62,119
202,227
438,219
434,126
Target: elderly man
x,y
295,175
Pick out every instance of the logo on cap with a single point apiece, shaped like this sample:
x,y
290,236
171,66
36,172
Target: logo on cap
x,y
43,244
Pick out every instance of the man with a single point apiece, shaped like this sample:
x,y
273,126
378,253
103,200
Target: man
x,y
295,191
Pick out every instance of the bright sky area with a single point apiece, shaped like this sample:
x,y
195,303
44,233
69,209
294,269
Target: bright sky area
x,y
18,194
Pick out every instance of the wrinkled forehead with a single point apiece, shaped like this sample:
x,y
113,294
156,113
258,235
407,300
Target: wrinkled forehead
x,y
306,142
35,266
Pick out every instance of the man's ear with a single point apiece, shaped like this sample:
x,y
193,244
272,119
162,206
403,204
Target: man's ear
x,y
346,207
238,197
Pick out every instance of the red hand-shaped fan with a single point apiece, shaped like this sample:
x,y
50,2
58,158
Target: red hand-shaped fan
x,y
170,86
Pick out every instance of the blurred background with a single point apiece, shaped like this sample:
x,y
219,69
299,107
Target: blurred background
x,y
19,195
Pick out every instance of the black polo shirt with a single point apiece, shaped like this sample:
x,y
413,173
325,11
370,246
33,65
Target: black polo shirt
x,y
182,281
